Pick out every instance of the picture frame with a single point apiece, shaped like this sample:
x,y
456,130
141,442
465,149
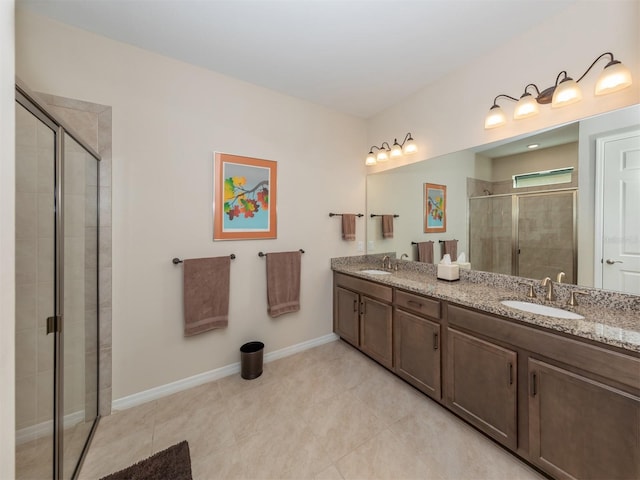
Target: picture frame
x,y
435,208
245,193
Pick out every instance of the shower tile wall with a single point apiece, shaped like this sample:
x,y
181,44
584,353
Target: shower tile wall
x,y
547,236
490,223
34,270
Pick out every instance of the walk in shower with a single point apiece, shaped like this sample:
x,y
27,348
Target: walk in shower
x,y
530,235
57,344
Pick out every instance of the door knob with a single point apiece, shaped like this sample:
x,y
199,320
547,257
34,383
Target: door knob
x,y
611,262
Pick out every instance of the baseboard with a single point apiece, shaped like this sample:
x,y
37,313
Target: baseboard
x,y
43,429
212,375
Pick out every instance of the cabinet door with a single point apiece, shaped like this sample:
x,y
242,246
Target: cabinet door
x,y
346,315
580,428
481,385
417,351
375,330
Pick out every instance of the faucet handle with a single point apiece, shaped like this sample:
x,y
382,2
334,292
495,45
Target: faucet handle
x,y
560,277
572,299
530,293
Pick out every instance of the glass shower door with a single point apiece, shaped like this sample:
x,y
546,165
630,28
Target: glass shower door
x,y
35,294
547,235
56,294
80,305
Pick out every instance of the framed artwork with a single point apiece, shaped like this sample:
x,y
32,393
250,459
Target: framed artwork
x,y
244,198
435,208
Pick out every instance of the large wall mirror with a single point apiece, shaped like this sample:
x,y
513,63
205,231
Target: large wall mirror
x,y
568,205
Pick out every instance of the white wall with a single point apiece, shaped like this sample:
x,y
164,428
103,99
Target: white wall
x,y
168,119
448,115
7,240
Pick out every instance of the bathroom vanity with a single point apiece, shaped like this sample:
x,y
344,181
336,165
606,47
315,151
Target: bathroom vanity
x,y
563,394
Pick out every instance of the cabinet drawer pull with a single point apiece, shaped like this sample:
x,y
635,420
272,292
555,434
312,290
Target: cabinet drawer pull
x,y
363,308
436,343
413,303
355,305
510,373
534,388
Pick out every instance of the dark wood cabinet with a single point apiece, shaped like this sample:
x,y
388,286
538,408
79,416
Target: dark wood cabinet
x,y
376,330
346,315
417,352
569,406
581,428
363,316
482,385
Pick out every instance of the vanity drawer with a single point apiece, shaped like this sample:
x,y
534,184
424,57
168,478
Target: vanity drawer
x,y
418,304
365,287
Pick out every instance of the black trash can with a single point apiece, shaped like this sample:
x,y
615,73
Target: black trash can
x,y
251,360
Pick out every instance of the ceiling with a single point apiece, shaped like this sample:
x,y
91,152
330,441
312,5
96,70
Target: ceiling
x,y
355,56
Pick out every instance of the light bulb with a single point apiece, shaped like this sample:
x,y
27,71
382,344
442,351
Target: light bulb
x,y
527,107
566,93
495,118
410,147
382,156
396,149
371,159
613,78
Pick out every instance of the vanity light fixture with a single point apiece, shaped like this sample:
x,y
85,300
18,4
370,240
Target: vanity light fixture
x,y
565,91
384,151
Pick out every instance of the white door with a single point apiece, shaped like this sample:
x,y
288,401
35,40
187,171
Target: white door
x,y
620,168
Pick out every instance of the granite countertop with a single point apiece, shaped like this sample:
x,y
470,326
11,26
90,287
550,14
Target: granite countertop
x,y
609,318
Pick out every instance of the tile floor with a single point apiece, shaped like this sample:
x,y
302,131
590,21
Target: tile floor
x,y
326,413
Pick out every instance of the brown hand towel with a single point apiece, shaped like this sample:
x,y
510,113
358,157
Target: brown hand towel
x,y
425,252
206,294
283,282
387,226
348,226
450,247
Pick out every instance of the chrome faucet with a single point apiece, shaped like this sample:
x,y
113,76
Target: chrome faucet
x,y
386,262
548,284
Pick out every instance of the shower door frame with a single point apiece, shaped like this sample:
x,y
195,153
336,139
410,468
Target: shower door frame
x,y
515,240
55,323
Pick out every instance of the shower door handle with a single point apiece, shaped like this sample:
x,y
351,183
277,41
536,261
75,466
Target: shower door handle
x,y
54,324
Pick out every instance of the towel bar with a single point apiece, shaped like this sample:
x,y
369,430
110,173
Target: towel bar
x,y
442,241
176,260
377,215
340,214
262,254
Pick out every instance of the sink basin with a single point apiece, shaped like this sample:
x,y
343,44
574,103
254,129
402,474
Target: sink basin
x,y
541,309
376,272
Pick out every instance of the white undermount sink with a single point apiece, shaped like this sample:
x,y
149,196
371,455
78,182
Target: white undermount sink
x,y
541,309
376,272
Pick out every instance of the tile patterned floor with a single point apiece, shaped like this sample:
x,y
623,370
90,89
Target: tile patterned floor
x,y
326,413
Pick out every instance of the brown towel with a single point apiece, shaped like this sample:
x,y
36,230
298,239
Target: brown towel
x,y
283,282
206,294
450,247
387,226
425,252
348,226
